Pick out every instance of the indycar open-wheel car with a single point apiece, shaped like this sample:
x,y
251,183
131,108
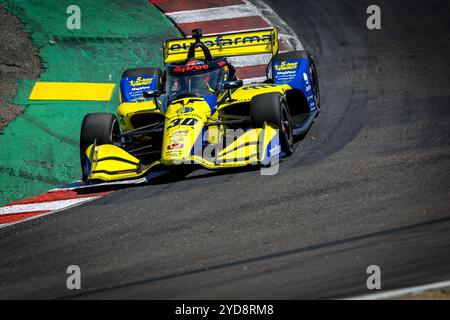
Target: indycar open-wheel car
x,y
198,113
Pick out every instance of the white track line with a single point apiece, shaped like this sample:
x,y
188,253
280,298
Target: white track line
x,y
219,13
43,206
403,292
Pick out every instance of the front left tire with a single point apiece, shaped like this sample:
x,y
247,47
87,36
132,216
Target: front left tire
x,y
101,128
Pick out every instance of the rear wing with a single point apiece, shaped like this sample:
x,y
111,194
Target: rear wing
x,y
225,45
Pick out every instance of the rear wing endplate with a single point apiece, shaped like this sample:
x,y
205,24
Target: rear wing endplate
x,y
225,45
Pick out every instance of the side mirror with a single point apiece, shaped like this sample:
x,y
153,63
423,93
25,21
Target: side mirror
x,y
233,84
151,94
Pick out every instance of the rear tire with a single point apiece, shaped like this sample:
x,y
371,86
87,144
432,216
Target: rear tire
x,y
315,82
103,128
272,108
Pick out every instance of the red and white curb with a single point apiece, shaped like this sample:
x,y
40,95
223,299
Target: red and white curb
x,y
219,16
43,204
212,16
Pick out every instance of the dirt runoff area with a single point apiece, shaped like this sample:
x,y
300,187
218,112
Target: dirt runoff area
x,y
18,60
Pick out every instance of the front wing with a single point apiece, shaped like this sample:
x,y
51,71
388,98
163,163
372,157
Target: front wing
x,y
255,147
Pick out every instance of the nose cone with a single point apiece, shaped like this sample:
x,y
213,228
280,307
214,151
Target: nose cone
x,y
185,119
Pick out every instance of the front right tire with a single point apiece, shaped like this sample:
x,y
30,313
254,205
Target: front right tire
x,y
272,108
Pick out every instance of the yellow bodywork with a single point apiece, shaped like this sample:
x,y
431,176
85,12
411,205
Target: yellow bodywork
x,y
109,162
247,92
182,131
128,109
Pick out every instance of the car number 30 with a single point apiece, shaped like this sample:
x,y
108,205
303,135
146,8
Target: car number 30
x,y
182,122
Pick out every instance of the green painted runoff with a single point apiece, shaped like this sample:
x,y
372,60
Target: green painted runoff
x,y
40,148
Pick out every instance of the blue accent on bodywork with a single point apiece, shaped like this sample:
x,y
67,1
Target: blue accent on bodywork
x,y
274,144
88,164
212,102
199,143
131,92
204,141
266,159
296,73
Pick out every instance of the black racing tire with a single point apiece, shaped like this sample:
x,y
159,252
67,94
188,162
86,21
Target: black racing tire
x,y
139,72
272,108
103,128
315,81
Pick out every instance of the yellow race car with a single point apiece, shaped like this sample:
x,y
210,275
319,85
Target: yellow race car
x,y
198,113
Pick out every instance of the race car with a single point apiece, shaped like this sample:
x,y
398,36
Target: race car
x,y
197,113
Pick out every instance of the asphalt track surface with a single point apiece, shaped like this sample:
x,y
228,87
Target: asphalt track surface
x,y
370,184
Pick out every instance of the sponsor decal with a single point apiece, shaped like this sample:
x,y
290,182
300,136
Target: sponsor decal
x,y
173,153
286,66
176,139
305,77
175,146
275,150
177,136
184,110
140,81
181,132
182,69
132,87
308,86
140,89
221,41
285,71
